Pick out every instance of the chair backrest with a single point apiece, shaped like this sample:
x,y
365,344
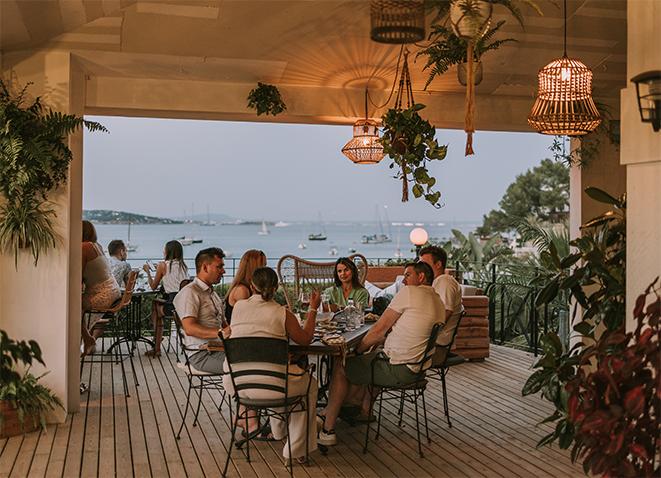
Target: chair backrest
x,y
184,283
298,275
448,347
268,360
130,286
180,336
431,347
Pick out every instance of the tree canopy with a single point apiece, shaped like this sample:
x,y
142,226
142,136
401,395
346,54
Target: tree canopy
x,y
542,191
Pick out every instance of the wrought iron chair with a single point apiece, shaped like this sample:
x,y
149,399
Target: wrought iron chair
x,y
440,371
207,380
170,318
410,392
261,365
111,320
297,275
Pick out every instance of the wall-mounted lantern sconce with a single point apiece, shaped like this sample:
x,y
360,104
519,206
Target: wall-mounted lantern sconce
x,y
648,90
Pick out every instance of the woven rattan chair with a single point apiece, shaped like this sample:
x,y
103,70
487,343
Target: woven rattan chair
x,y
297,275
111,320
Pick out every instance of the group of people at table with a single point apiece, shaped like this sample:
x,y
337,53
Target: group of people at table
x,y
428,297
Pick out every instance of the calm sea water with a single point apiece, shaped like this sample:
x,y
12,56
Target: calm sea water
x,y
235,240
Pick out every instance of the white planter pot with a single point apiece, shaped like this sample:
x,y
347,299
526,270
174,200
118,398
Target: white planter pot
x,y
469,26
462,73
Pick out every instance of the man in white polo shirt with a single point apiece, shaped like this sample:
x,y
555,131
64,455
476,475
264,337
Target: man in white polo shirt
x,y
201,310
411,315
450,292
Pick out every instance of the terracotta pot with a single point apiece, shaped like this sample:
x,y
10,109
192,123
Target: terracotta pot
x,y
462,24
462,73
10,423
399,145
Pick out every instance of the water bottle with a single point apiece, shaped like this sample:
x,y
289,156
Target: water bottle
x,y
350,313
360,315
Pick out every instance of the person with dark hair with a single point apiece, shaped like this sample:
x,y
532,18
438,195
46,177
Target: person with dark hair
x,y
450,292
261,316
101,288
172,271
201,310
118,266
240,288
411,315
347,284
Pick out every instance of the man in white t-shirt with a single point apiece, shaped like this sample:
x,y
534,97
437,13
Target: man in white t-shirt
x,y
411,315
450,292
201,310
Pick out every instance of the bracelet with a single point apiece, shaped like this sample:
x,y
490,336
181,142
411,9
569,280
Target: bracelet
x,y
312,310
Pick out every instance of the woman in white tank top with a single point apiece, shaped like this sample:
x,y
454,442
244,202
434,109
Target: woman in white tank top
x,y
172,271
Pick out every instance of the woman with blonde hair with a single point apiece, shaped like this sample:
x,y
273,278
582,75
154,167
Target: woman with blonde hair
x,y
240,288
172,270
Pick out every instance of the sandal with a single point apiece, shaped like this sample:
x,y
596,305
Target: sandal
x,y
84,387
153,353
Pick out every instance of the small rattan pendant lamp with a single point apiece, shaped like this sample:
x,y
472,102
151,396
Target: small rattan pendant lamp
x,y
564,103
364,148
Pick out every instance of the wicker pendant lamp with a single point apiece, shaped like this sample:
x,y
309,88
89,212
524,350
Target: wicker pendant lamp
x,y
364,148
397,21
564,103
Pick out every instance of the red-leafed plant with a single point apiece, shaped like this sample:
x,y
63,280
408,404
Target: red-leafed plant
x,y
616,408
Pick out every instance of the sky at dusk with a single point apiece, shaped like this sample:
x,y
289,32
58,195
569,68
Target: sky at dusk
x,y
287,172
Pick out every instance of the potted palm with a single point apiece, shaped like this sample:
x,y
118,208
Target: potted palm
x,y
34,160
23,400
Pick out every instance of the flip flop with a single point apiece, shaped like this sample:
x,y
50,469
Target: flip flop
x,y
84,387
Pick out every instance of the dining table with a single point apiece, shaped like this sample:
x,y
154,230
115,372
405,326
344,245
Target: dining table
x,y
131,320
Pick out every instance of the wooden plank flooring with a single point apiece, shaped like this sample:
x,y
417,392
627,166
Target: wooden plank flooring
x,y
494,432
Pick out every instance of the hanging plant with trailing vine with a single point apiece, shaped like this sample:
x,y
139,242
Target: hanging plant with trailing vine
x,y
410,142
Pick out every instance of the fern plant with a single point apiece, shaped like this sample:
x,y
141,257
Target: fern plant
x,y
34,160
449,50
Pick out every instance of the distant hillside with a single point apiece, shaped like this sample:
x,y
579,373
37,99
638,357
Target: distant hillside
x,y
102,216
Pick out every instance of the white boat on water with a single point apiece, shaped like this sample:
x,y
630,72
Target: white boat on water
x,y
398,254
302,245
378,238
333,251
282,224
130,247
264,231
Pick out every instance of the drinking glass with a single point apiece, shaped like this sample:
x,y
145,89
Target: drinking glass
x,y
304,297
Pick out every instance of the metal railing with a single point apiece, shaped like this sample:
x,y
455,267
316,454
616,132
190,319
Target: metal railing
x,y
513,318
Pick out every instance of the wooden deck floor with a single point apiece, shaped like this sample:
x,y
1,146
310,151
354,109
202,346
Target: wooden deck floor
x,y
494,432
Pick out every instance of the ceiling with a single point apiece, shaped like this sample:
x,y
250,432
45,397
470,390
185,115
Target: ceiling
x,y
299,44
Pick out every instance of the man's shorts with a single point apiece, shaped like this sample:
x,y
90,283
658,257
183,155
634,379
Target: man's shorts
x,y
358,370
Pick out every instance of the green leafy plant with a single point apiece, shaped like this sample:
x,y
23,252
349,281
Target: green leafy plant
x,y
410,142
34,160
266,99
25,393
598,286
449,50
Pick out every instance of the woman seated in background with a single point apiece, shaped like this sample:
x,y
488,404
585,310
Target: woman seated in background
x,y
240,288
172,270
347,285
261,316
101,289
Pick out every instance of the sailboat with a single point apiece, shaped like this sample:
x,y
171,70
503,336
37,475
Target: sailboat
x,y
377,238
183,240
303,245
264,231
195,241
320,236
130,247
208,223
398,254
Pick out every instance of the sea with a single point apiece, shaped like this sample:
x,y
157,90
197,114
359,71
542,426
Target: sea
x,y
342,239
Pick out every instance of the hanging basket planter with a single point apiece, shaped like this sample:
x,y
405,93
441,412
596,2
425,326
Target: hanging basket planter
x,y
470,19
462,73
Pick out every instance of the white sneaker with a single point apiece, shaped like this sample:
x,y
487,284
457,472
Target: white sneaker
x,y
327,438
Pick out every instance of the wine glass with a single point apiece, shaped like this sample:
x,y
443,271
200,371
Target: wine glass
x,y
304,297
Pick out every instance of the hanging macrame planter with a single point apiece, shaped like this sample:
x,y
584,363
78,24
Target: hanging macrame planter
x,y
470,20
410,141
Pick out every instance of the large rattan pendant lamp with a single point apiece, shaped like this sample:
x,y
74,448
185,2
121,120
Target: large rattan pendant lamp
x,y
397,21
364,148
564,103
